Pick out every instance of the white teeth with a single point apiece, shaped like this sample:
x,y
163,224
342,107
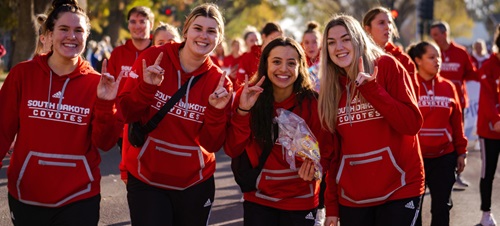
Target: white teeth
x,y
70,45
202,44
342,55
282,76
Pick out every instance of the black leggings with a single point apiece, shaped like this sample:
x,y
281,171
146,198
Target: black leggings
x,y
401,212
80,213
258,215
490,150
152,206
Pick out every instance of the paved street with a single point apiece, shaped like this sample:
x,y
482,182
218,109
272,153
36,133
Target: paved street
x,y
227,209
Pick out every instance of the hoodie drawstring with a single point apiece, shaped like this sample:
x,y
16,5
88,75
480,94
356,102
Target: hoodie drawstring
x,y
187,95
348,102
62,92
178,79
431,94
62,95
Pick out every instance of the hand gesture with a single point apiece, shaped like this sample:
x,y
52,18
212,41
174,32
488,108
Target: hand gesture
x,y
306,171
249,95
331,221
107,89
364,77
220,97
153,74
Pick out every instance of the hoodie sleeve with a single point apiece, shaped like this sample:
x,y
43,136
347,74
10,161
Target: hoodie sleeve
x,y
212,134
457,125
10,97
238,132
106,125
136,96
488,97
390,95
331,191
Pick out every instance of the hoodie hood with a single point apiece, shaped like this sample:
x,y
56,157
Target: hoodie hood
x,y
172,49
393,49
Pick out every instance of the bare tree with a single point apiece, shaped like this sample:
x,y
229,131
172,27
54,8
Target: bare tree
x,y
24,38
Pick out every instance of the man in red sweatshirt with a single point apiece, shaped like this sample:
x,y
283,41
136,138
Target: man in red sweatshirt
x,y
456,66
140,23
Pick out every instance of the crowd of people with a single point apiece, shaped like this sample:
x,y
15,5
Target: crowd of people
x,y
375,112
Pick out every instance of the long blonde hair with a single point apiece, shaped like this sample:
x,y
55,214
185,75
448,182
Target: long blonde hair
x,y
330,73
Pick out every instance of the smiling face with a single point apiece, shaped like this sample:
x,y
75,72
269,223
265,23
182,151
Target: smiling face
x,y
380,29
139,26
69,35
283,68
202,36
429,63
340,47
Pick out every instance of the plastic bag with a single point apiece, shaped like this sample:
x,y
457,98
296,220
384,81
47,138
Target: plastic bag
x,y
298,140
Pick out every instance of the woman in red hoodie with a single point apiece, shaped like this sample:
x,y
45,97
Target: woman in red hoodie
x,y
365,100
62,112
488,128
442,142
170,178
379,24
283,196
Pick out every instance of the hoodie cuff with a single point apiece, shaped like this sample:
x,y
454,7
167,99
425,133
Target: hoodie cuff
x,y
147,90
214,114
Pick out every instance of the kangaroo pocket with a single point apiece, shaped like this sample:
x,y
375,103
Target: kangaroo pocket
x,y
369,177
275,185
169,165
434,141
52,179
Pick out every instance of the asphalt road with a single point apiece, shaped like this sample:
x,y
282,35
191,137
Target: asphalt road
x,y
227,209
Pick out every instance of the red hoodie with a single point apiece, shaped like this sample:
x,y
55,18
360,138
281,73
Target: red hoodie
x,y
122,58
380,158
407,63
489,98
179,153
60,123
249,64
457,67
443,129
279,186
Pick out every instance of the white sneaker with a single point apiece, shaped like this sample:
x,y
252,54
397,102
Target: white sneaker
x,y
488,220
461,182
320,217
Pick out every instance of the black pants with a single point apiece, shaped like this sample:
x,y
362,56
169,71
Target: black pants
x,y
258,215
402,212
152,206
440,177
490,150
81,213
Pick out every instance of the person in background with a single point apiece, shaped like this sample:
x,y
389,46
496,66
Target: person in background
x,y
364,99
249,61
43,43
140,23
284,196
62,112
442,142
218,55
456,66
380,25
488,128
171,177
479,53
251,37
311,42
165,33
232,60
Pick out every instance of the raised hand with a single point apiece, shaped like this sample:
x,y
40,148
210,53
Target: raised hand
x,y
107,89
153,74
220,97
364,77
249,95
